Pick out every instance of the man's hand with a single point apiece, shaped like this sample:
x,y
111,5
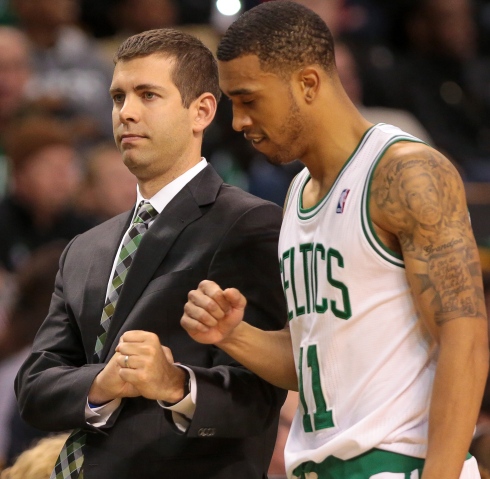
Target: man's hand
x,y
212,314
109,385
149,367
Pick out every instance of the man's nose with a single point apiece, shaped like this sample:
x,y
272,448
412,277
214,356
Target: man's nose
x,y
240,119
129,111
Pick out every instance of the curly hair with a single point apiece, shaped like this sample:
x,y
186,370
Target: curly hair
x,y
283,34
38,461
195,71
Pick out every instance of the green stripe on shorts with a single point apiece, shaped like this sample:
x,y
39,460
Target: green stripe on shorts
x,y
361,467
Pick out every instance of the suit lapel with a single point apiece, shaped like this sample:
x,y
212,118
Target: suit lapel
x,y
178,214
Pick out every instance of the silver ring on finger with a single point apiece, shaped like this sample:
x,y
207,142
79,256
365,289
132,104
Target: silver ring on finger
x,y
126,359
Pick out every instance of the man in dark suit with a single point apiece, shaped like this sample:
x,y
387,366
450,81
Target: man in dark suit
x,y
145,400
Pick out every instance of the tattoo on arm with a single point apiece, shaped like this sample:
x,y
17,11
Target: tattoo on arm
x,y
423,197
450,275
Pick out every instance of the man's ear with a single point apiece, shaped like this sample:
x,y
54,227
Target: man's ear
x,y
204,109
309,80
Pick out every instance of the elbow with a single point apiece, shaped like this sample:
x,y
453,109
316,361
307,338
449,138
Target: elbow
x,y
481,357
29,416
31,412
27,412
39,418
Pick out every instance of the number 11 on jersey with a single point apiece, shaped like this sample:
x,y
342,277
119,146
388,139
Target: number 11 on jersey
x,y
322,417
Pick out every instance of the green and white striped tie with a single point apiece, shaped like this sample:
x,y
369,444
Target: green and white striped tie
x,y
70,461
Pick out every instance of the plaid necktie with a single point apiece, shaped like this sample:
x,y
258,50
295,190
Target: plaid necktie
x,y
70,461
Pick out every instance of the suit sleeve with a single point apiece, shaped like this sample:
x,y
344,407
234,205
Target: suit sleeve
x,y
231,401
53,383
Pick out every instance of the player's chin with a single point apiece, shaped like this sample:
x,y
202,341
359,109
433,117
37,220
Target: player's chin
x,y
279,159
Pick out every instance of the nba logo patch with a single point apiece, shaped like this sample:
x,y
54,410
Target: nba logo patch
x,y
342,200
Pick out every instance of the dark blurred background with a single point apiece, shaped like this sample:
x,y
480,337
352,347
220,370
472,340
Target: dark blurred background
x,y
423,65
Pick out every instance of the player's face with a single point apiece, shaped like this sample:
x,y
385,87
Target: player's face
x,y
264,108
152,128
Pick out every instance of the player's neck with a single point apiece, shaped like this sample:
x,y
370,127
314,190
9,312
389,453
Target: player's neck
x,y
332,147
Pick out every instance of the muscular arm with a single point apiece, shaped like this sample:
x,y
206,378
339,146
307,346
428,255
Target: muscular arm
x,y
215,316
418,199
267,353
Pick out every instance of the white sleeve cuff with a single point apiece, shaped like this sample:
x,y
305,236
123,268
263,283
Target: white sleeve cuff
x,y
99,415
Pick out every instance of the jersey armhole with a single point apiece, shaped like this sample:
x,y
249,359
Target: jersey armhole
x,y
378,246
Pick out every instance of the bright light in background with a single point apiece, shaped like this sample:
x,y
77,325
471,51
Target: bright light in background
x,y
228,7
224,13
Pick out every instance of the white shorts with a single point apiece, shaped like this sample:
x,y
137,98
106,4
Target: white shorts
x,y
375,464
470,471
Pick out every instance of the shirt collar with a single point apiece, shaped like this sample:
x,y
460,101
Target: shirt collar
x,y
163,197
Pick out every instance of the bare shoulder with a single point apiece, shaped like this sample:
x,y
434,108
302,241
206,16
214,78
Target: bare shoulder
x,y
415,186
418,197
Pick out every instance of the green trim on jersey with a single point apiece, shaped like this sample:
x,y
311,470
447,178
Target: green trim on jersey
x,y
367,224
307,213
364,466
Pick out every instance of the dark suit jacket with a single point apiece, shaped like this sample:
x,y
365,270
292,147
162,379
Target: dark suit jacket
x,y
208,231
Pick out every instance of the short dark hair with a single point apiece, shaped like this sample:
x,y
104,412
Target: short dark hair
x,y
195,71
283,34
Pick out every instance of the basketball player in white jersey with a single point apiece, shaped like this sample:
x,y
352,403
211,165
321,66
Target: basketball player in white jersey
x,y
387,338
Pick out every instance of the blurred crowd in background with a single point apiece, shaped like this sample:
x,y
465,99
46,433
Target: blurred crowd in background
x,y
423,65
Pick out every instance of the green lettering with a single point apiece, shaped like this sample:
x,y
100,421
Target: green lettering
x,y
305,249
319,308
346,313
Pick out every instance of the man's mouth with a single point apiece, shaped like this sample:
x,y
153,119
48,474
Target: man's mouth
x,y
255,140
129,138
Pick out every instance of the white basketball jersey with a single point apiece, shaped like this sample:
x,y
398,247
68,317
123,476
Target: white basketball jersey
x,y
365,365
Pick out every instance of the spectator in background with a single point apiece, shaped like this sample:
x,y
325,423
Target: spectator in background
x,y
332,12
349,76
442,80
69,75
45,176
34,283
7,291
34,287
108,188
14,75
37,462
129,17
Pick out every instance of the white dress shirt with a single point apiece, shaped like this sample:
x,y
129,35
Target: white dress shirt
x,y
183,411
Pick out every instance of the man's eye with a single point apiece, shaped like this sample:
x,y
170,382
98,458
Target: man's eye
x,y
149,95
118,98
